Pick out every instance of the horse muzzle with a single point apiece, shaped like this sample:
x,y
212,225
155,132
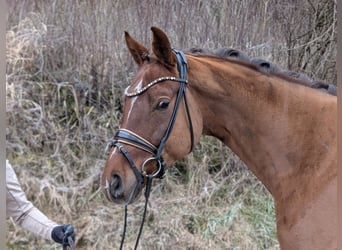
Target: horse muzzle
x,y
115,191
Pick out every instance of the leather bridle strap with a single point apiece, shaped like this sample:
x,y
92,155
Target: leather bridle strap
x,y
128,137
182,67
168,130
138,176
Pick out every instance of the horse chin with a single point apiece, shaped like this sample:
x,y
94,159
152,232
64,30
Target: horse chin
x,y
134,196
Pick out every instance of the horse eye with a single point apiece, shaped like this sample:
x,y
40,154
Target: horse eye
x,y
164,104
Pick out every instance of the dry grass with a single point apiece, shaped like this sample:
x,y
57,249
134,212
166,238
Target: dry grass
x,y
66,67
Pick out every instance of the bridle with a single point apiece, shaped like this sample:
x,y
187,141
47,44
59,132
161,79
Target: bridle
x,y
124,136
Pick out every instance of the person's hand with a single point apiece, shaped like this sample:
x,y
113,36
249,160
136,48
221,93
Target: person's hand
x,y
64,235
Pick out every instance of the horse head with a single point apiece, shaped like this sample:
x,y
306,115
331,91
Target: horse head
x,y
156,127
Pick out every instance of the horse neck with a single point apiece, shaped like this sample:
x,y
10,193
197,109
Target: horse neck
x,y
281,130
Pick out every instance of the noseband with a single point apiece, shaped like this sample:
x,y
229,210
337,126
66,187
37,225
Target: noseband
x,y
127,137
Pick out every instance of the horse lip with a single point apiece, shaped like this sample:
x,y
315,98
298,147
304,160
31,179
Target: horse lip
x,y
108,193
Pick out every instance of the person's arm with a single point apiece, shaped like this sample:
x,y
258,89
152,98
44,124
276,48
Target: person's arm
x,y
25,214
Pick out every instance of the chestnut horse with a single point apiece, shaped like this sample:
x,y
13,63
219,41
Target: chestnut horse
x,y
283,130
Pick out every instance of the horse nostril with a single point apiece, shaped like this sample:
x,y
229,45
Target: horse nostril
x,y
116,186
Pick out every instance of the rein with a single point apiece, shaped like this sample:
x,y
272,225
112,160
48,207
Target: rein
x,y
71,242
124,136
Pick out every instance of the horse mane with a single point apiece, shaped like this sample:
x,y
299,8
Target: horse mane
x,y
263,66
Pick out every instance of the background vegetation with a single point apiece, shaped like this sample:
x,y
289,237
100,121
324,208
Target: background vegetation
x,y
66,67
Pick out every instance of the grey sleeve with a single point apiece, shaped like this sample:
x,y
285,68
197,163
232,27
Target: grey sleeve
x,y
23,212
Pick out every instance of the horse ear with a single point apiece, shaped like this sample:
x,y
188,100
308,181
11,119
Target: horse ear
x,y
161,47
138,51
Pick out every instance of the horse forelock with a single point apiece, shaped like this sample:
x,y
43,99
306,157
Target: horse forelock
x,y
146,73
